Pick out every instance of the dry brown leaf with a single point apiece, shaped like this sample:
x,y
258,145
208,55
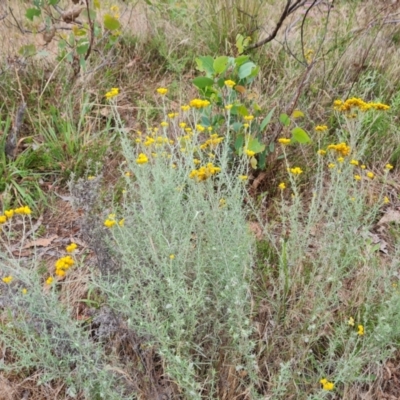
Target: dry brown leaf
x,y
42,242
391,215
71,15
257,230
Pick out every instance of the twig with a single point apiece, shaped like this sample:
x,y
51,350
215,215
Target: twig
x,y
89,50
289,8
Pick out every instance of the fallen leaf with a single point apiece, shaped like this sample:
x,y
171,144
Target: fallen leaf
x,y
42,242
390,216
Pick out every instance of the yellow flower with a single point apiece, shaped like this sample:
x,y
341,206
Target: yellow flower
x,y
200,128
121,222
24,210
162,91
246,125
49,280
164,124
71,247
24,291
222,202
351,321
198,103
90,177
7,279
387,166
172,256
363,166
248,117
342,148
230,83
249,153
340,159
354,162
296,171
228,106
9,213
331,165
142,159
243,177
284,141
321,152
321,128
370,175
326,385
360,331
282,186
182,124
112,93
357,177
172,115
185,108
196,161
3,219
386,200
109,223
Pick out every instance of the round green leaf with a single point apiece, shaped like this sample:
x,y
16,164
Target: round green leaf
x,y
300,135
111,23
202,82
220,64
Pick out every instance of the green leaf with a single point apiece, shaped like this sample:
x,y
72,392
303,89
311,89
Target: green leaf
x,y
241,60
300,135
82,48
242,110
202,82
262,159
239,142
205,64
32,13
53,2
254,72
271,147
284,119
254,145
266,120
239,43
237,126
220,64
246,69
111,23
28,50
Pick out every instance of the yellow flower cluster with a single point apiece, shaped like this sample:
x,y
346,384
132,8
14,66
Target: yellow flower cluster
x,y
341,148
284,141
142,159
7,279
296,170
112,93
71,248
162,91
110,221
230,83
358,103
321,128
204,172
213,142
63,264
198,103
8,214
326,385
